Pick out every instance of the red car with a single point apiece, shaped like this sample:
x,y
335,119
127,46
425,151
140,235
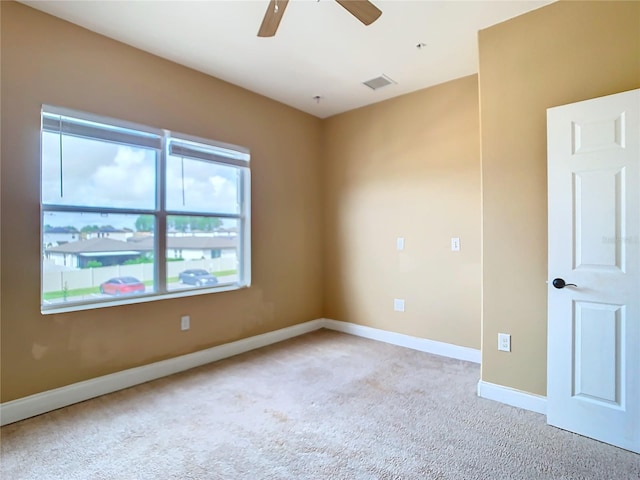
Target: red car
x,y
122,286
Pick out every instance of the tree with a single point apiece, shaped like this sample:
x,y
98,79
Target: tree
x,y
84,231
193,224
136,261
93,264
145,223
181,223
89,228
207,224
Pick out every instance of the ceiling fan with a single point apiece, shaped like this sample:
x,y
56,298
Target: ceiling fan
x,y
363,10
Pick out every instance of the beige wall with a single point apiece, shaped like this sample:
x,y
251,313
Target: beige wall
x,y
407,167
333,194
563,53
46,60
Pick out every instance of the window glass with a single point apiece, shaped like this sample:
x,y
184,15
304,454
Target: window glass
x,y
201,186
106,212
201,252
81,252
96,173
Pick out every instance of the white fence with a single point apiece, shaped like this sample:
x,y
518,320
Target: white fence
x,y
93,277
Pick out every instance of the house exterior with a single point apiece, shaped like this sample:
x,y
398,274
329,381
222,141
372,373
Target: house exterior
x,y
107,231
108,251
196,248
104,250
54,236
218,232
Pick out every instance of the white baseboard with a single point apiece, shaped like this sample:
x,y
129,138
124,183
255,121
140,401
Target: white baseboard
x,y
513,397
43,402
39,403
415,343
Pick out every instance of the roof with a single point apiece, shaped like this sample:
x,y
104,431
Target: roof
x,y
111,229
192,243
48,229
110,245
100,244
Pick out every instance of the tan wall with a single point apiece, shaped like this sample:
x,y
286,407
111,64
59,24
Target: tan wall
x,y
563,53
46,60
407,167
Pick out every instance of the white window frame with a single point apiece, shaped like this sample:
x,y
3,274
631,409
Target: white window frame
x,y
164,142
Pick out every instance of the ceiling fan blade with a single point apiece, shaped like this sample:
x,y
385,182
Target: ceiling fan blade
x,y
272,18
363,10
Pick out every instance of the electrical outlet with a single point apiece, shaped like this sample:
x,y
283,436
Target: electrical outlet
x,y
504,342
455,244
398,304
185,322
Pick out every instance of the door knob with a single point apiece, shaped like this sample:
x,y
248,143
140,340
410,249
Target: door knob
x,y
560,283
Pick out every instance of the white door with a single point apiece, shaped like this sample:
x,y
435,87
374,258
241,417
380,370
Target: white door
x,y
593,361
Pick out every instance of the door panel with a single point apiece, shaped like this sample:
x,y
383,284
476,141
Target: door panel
x,y
599,204
593,376
597,356
603,134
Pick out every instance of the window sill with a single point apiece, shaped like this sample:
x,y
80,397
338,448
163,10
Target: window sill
x,y
150,297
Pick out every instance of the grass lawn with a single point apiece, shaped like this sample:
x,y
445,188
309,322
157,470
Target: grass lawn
x,y
70,293
76,292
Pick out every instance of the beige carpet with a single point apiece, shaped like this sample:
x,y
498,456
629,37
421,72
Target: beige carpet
x,y
321,406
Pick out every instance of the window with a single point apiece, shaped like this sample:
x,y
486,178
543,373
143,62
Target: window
x,y
130,212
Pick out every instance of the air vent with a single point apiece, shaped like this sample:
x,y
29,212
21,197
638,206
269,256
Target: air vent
x,y
378,82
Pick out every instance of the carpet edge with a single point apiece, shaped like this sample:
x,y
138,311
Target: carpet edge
x,y
415,343
513,397
42,402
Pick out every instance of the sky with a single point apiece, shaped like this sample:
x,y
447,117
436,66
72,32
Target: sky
x,y
102,174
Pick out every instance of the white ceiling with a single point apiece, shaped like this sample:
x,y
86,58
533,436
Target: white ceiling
x,y
319,49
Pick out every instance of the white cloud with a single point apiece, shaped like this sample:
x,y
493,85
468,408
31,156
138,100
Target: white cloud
x,y
103,174
129,180
203,187
96,173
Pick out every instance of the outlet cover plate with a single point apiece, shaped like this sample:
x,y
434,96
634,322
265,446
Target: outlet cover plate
x,y
504,342
398,304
